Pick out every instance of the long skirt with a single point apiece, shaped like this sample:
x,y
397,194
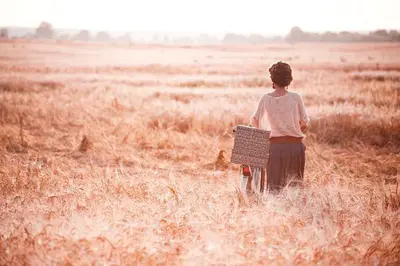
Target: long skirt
x,y
285,165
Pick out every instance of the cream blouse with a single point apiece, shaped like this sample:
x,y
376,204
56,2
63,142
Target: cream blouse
x,y
283,115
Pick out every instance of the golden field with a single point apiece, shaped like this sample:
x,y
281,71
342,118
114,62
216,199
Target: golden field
x,y
117,154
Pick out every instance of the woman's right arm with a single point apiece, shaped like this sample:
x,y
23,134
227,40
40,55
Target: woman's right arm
x,y
255,118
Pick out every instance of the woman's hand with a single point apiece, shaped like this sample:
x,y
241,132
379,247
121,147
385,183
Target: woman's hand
x,y
303,126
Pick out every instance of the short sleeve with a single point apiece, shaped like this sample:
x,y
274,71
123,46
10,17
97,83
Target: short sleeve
x,y
302,110
256,116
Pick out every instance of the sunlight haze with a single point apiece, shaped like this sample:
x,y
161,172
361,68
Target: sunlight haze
x,y
253,16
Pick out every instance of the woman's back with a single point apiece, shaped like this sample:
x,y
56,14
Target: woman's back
x,y
283,115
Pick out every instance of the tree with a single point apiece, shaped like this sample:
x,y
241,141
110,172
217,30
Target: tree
x,y
296,35
382,33
233,38
102,37
156,38
124,38
4,33
83,35
329,37
394,35
257,39
44,31
345,36
63,37
166,39
207,39
379,35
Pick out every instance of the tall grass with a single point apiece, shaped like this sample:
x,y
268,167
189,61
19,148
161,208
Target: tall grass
x,y
129,173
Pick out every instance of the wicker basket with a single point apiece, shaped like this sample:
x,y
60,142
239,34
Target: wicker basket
x,y
251,147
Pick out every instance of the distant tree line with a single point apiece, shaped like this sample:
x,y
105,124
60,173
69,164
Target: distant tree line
x,y
298,35
233,38
46,31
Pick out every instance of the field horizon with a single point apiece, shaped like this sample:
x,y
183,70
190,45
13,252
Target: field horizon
x,y
119,154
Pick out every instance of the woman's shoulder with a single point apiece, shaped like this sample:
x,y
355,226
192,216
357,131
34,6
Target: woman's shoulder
x,y
265,96
294,94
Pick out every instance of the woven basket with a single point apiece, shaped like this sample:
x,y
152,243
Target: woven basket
x,y
251,147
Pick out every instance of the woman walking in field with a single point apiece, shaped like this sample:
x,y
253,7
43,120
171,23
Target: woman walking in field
x,y
283,113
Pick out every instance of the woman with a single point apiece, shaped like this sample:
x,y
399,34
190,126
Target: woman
x,y
283,113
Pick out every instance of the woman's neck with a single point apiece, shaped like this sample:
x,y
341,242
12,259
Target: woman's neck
x,y
279,91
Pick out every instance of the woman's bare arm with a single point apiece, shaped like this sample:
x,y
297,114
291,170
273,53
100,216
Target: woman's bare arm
x,y
304,119
255,118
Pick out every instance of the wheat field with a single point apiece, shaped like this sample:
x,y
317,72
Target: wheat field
x,y
117,154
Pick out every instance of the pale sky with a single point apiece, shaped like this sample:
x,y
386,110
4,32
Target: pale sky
x,y
212,16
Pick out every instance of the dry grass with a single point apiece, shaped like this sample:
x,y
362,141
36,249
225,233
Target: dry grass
x,y
348,129
377,76
110,162
21,86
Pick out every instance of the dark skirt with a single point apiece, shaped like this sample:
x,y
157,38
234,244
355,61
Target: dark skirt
x,y
285,165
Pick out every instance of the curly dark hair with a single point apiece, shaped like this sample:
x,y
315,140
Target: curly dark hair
x,y
281,74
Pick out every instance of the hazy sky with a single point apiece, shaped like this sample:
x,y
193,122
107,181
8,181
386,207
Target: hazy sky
x,y
213,16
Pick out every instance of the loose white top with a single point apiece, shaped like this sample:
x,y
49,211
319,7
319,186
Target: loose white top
x,y
283,115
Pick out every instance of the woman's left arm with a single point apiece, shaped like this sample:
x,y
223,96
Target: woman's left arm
x,y
304,119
